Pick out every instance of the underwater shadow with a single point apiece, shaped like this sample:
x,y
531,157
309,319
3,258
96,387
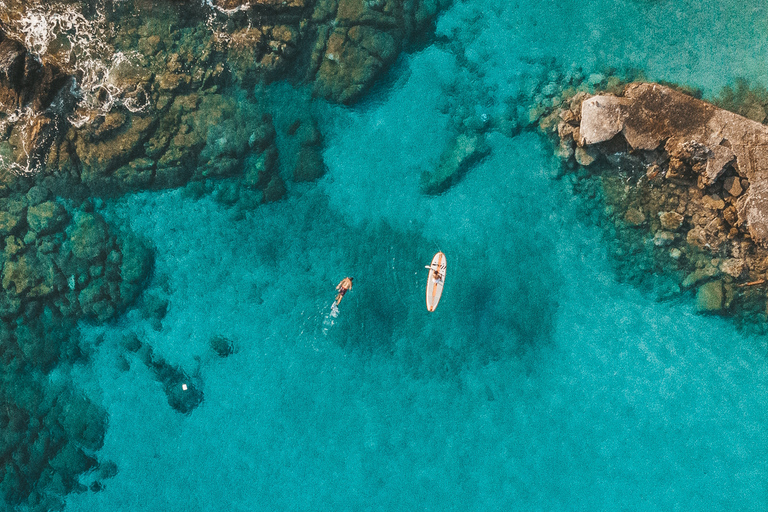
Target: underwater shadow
x,y
486,314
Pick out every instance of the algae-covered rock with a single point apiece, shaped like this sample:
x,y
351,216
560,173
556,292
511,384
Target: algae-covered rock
x,y
464,151
353,58
709,297
89,236
25,273
309,165
135,267
99,157
275,189
46,217
260,167
8,222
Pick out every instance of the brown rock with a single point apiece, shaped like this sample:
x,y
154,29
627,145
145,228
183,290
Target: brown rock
x,y
711,138
585,156
569,117
676,168
731,216
734,267
634,217
713,202
564,129
671,220
721,157
732,185
697,236
709,297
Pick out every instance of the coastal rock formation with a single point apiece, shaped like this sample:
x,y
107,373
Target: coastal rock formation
x,y
37,97
688,133
678,186
186,105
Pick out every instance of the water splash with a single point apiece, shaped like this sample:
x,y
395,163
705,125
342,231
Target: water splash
x,y
101,91
239,8
217,19
61,35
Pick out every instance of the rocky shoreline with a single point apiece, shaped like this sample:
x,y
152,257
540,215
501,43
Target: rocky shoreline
x,y
677,184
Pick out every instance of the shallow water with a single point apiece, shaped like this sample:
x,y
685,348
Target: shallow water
x,y
540,382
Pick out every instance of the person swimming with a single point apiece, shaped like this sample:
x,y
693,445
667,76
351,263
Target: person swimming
x,y
343,287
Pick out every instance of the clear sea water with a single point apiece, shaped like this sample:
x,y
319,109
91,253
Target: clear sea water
x,y
540,383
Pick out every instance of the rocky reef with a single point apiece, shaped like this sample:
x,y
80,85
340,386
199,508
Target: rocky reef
x,y
134,102
677,185
60,264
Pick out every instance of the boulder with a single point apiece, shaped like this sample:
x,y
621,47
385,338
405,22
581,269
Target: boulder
x,y
663,238
732,185
585,156
709,297
89,236
671,220
309,164
634,217
46,217
222,346
8,222
734,267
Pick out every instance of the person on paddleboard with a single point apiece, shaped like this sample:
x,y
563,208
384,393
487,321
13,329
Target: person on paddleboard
x,y
343,287
435,273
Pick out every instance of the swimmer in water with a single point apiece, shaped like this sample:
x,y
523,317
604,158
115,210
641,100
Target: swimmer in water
x,y
343,287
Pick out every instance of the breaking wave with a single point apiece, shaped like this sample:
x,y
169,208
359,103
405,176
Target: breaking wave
x,y
80,46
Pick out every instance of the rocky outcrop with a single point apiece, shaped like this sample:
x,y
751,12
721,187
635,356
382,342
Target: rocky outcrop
x,y
37,97
465,150
166,115
677,185
688,134
184,392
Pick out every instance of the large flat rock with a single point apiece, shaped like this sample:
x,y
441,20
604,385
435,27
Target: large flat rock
x,y
654,117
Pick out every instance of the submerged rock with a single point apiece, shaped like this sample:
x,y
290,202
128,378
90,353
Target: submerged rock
x,y
222,346
184,392
46,217
709,297
462,152
671,220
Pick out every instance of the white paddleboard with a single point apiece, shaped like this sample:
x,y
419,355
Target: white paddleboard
x,y
435,283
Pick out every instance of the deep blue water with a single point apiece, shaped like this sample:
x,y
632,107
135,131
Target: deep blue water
x,y
540,383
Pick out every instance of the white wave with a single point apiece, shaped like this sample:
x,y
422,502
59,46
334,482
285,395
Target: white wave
x,y
82,50
222,10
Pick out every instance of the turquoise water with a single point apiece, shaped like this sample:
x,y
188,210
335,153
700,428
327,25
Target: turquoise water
x,y
540,383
